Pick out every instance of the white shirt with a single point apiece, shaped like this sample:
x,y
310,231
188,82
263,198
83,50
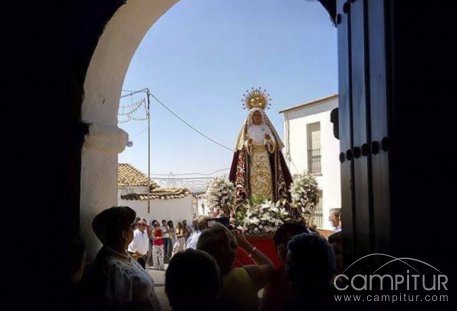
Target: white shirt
x,y
165,231
193,239
140,242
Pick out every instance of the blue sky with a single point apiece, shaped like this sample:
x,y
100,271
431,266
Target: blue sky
x,y
199,59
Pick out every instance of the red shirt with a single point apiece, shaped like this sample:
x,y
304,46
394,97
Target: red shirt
x,y
157,233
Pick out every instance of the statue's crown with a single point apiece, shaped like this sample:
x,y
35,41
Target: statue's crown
x,y
256,98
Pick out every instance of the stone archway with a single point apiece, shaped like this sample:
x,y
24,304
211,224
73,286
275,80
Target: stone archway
x,y
115,47
102,88
409,82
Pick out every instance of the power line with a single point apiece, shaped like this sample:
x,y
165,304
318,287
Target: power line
x,y
145,90
181,174
140,132
186,123
130,116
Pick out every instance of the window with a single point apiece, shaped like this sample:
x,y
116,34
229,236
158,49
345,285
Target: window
x,y
317,220
314,148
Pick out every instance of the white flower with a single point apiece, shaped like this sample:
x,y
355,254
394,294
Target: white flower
x,y
219,193
264,217
305,193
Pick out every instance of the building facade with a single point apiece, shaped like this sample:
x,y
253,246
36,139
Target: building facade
x,y
174,203
310,146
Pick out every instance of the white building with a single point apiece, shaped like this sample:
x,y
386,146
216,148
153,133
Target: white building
x,y
310,146
202,204
174,204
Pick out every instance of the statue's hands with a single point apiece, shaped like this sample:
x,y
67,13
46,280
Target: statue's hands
x,y
267,136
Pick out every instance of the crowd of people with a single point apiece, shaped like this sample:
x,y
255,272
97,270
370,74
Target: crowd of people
x,y
155,244
201,273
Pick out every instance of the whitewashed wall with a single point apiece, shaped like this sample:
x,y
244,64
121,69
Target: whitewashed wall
x,y
295,132
102,89
173,209
132,189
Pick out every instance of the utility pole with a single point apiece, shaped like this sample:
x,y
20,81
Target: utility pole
x,y
148,111
129,115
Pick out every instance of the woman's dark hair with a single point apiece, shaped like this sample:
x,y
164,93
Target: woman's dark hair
x,y
170,224
109,224
192,280
312,263
286,231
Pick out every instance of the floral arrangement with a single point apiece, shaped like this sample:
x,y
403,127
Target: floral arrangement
x,y
305,195
258,217
262,218
220,195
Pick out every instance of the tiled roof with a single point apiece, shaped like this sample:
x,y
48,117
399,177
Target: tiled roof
x,y
159,193
127,175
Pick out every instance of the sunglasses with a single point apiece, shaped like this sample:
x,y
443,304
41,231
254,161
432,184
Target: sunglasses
x,y
142,225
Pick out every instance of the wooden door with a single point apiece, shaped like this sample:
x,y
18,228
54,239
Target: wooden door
x,y
363,126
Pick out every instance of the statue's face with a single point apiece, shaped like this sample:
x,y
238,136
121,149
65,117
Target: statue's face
x,y
256,118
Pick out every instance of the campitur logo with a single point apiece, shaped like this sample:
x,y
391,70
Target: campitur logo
x,y
385,278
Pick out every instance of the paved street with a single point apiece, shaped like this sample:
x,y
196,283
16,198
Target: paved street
x,y
159,280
